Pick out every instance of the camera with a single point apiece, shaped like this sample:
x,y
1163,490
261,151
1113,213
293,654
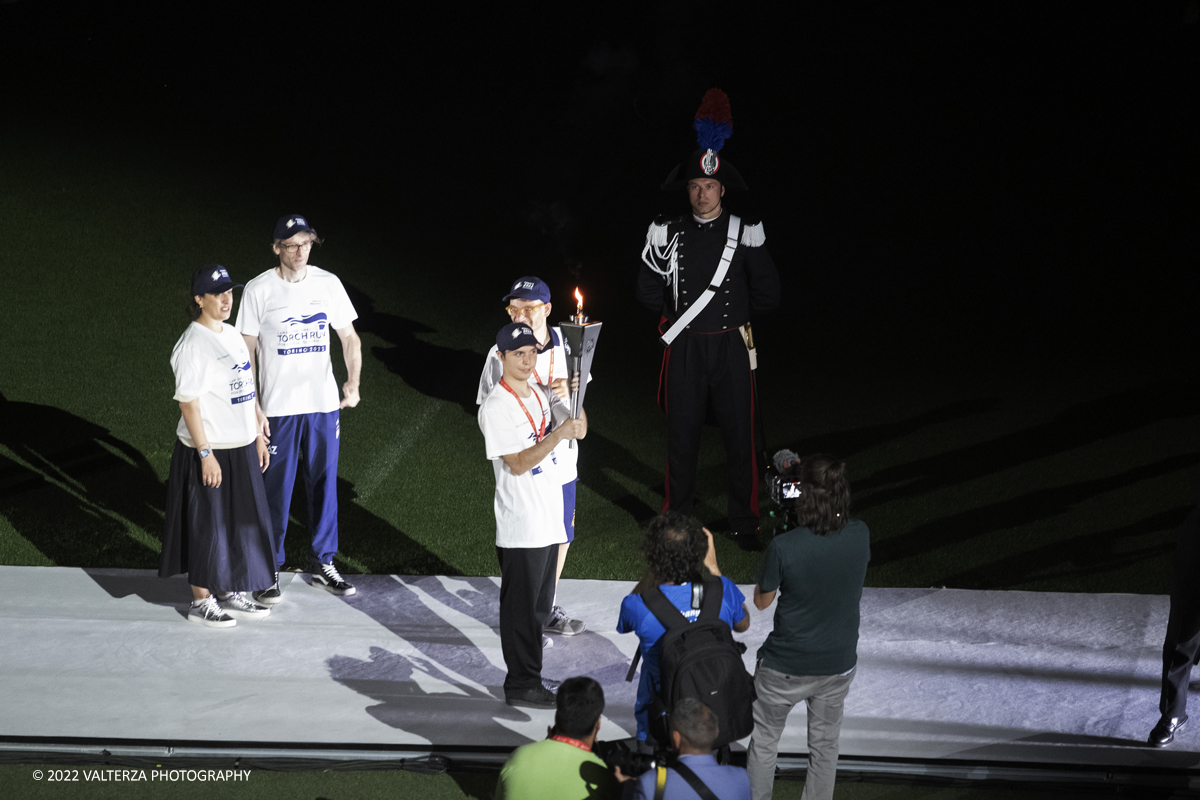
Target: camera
x,y
783,484
783,478
619,753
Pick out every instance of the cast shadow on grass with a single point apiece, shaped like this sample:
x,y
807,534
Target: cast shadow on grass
x,y
599,453
370,540
434,371
1077,557
843,444
75,491
1075,427
1016,512
435,681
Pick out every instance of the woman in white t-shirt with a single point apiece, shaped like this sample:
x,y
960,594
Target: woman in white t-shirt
x,y
217,528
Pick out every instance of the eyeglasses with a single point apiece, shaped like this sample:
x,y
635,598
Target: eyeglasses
x,y
515,311
292,248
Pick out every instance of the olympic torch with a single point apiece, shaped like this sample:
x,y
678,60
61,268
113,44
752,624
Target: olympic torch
x,y
579,342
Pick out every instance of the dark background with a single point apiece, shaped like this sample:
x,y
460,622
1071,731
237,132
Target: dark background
x,y
986,180
982,215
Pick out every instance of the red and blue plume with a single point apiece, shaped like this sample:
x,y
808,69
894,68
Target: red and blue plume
x,y
714,123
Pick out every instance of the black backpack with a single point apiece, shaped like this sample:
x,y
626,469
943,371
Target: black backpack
x,y
700,659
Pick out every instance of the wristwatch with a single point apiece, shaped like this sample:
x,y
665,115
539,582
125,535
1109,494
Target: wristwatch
x,y
205,453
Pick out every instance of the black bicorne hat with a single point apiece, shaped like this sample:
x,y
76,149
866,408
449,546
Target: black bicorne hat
x,y
713,124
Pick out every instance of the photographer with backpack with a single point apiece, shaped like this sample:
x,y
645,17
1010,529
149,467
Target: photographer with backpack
x,y
682,612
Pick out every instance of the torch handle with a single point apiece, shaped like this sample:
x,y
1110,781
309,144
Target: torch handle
x,y
574,413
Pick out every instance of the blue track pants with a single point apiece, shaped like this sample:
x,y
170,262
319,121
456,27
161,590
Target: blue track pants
x,y
310,442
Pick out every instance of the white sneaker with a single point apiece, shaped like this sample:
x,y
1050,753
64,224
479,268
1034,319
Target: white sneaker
x,y
240,606
207,612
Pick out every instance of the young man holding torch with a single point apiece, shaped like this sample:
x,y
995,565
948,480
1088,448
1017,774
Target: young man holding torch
x,y
523,426
529,303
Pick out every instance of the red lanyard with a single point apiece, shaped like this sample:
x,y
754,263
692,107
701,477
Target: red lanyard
x,y
540,433
535,375
573,742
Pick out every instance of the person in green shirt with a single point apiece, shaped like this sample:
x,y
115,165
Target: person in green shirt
x,y
811,654
563,766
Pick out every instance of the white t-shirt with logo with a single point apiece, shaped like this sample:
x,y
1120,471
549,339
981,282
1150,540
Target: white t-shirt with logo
x,y
292,322
215,367
529,507
551,365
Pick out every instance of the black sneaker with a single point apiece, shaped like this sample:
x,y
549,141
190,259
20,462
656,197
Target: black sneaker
x,y
207,612
328,578
271,596
541,697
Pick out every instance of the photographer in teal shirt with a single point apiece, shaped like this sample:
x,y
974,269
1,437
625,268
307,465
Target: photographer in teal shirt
x,y
811,654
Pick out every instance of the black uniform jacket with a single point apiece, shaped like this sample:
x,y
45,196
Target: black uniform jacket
x,y
752,283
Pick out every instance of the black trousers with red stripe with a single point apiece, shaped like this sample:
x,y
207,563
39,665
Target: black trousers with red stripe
x,y
698,367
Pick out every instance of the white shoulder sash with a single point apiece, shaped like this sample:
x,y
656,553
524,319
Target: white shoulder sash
x,y
731,243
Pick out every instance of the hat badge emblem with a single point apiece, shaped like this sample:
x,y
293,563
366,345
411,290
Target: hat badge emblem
x,y
216,275
710,162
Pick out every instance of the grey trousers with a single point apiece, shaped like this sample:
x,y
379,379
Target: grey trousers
x,y
777,695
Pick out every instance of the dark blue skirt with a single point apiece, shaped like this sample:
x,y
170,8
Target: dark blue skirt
x,y
220,537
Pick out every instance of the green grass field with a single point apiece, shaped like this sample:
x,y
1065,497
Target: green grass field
x,y
1064,474
1030,471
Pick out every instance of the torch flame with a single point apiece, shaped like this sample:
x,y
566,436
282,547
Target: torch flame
x,y
578,298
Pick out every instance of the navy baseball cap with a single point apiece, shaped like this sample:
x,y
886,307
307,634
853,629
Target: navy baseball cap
x,y
289,226
514,336
212,279
529,288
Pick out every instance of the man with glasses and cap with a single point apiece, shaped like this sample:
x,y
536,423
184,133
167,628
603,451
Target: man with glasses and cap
x,y
525,430
529,302
286,315
705,272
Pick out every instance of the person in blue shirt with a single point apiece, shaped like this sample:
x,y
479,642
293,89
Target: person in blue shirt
x,y
676,549
694,728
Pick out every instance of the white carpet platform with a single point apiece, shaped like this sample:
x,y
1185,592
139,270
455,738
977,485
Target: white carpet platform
x,y
1004,677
